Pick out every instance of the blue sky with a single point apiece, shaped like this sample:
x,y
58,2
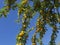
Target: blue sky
x,y
9,29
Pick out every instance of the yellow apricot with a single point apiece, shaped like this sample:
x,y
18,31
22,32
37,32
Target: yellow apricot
x,y
41,11
22,33
38,19
19,38
24,25
25,16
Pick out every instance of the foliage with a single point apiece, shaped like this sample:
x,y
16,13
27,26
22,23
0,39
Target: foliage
x,y
47,15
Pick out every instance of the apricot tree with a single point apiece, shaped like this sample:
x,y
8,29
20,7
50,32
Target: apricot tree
x,y
48,14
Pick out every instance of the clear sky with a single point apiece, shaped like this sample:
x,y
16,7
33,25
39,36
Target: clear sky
x,y
9,29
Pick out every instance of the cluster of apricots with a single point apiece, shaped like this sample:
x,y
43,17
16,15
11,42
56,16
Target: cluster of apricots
x,y
38,25
21,38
